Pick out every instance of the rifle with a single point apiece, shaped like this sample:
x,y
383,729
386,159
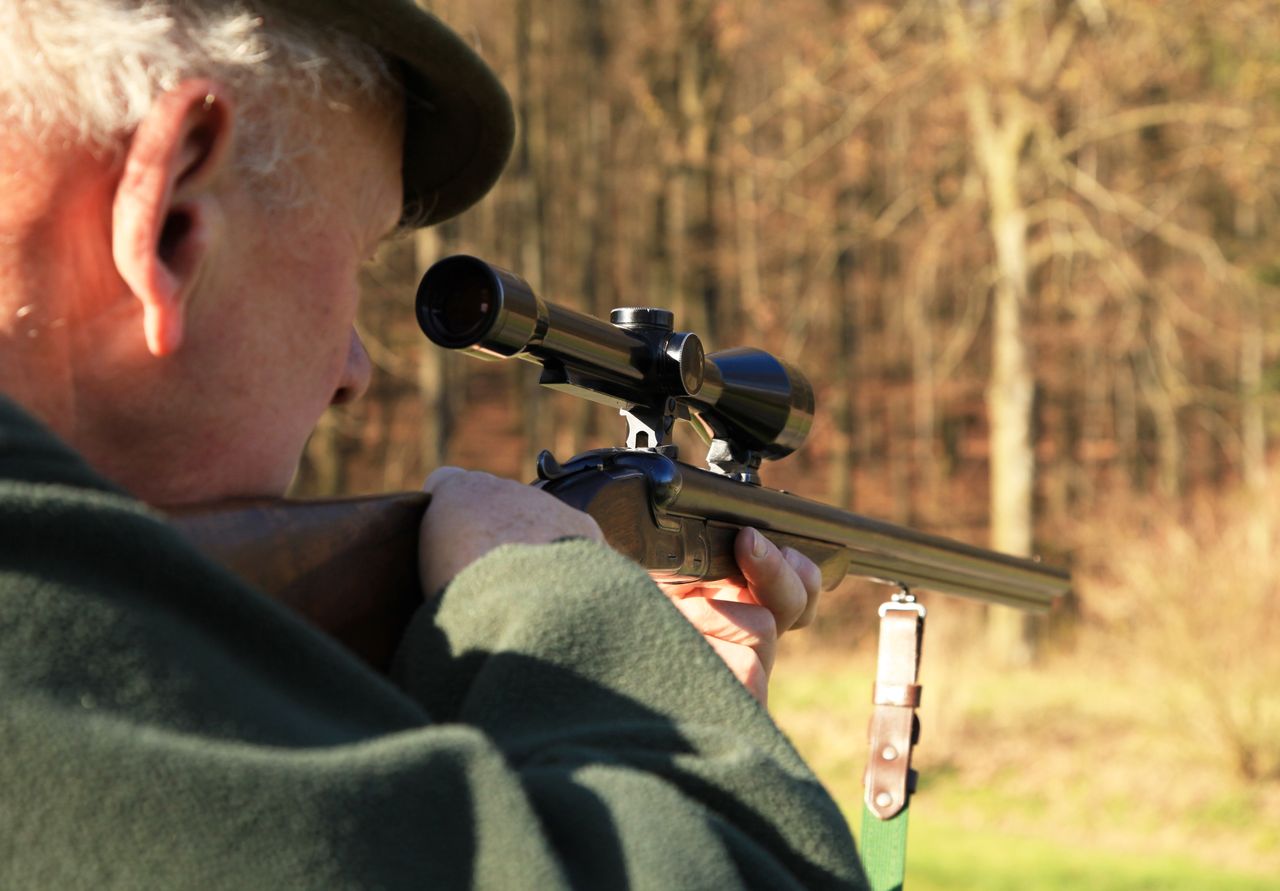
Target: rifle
x,y
349,566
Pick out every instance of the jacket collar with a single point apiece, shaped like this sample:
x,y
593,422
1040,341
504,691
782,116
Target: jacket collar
x,y
29,452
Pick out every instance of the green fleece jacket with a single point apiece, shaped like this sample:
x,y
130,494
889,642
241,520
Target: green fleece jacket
x,y
554,723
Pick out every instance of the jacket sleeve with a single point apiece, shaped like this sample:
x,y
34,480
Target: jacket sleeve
x,y
558,726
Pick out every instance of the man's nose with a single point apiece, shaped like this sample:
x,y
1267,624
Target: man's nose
x,y
355,373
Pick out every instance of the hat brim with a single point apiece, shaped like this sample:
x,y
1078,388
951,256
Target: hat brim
x,y
459,123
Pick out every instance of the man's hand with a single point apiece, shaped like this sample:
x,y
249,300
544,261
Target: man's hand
x,y
742,618
471,513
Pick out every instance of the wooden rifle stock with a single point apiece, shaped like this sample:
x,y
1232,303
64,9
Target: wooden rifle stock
x,y
348,566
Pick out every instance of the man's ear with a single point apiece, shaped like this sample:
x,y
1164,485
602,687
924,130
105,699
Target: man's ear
x,y
165,206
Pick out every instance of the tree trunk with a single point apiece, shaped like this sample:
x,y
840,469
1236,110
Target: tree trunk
x,y
847,345
433,371
1011,391
531,154
1253,422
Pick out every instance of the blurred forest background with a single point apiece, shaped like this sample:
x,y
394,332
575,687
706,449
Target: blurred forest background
x,y
1027,253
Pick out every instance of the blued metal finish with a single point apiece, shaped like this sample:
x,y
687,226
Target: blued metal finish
x,y
695,514
594,346
643,317
466,304
760,404
685,367
766,403
875,549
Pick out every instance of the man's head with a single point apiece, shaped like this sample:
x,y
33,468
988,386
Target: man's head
x,y
193,188
87,72
97,63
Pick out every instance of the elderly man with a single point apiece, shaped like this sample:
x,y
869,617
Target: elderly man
x,y
189,190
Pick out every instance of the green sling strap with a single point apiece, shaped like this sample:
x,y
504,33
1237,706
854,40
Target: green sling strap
x,y
894,729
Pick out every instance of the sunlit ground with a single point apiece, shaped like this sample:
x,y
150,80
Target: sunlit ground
x,y
1083,773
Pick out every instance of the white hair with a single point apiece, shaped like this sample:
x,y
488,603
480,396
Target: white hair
x,y
87,71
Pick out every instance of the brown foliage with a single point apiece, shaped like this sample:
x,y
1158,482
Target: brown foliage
x,y
809,176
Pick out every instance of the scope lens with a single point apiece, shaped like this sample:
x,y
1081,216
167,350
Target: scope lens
x,y
461,314
457,302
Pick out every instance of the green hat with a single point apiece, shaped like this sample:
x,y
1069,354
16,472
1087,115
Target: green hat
x,y
459,123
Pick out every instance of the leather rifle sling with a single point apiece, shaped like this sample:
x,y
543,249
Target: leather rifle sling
x,y
894,728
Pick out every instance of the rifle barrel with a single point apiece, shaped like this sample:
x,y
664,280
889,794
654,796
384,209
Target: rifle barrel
x,y
874,548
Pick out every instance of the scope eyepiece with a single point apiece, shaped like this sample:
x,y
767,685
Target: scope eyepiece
x,y
465,303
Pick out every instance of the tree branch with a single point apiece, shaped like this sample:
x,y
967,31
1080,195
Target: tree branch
x,y
1192,113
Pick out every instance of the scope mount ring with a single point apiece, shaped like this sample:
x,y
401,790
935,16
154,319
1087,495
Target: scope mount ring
x,y
726,458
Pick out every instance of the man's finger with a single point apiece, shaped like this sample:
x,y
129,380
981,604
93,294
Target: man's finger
x,y
774,582
811,578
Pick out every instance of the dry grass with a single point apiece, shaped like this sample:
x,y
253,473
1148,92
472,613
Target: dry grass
x,y
1079,751
1194,594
